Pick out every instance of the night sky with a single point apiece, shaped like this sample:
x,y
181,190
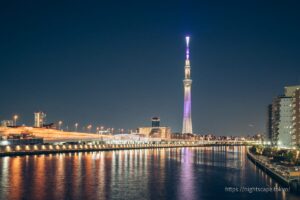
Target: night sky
x,y
118,63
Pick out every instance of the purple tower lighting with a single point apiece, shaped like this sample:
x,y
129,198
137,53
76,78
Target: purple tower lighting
x,y
187,83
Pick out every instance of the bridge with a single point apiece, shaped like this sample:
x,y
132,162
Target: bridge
x,y
13,150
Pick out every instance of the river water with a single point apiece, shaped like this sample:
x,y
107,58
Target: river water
x,y
171,173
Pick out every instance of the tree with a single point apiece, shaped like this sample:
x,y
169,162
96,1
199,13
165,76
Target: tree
x,y
267,152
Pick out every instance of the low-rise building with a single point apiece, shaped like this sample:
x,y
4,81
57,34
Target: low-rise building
x,y
21,139
158,132
155,131
7,123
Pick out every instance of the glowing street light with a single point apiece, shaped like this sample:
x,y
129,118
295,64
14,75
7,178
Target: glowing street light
x,y
76,127
59,125
15,119
89,127
279,143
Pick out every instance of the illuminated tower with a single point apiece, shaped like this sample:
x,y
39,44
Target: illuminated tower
x,y
187,83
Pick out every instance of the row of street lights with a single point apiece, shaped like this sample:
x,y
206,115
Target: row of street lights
x,y
89,127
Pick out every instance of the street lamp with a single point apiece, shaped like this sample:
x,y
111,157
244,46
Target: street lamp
x,y
59,125
76,126
89,127
101,129
15,119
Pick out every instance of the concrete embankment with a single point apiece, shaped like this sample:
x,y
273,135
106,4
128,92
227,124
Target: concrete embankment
x,y
286,181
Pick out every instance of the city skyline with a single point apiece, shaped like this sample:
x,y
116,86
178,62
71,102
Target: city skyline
x,y
84,65
150,100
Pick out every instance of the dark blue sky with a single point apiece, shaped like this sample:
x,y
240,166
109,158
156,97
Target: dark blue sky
x,y
118,63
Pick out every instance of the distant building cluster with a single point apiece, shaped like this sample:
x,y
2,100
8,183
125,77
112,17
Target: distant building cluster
x,y
39,121
211,137
7,123
283,123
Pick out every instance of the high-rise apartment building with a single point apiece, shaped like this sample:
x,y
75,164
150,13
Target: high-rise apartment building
x,y
269,123
39,119
284,117
282,121
296,116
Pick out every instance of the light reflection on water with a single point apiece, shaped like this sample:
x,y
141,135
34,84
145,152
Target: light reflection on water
x,y
175,173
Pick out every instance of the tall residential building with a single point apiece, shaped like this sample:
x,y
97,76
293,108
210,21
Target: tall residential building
x,y
39,119
282,121
269,123
285,117
289,91
275,120
187,83
294,92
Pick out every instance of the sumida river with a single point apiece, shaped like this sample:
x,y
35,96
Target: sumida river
x,y
171,173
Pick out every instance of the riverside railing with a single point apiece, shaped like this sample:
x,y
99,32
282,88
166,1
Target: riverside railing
x,y
291,182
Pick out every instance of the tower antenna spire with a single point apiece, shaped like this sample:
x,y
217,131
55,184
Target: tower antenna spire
x,y
187,39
